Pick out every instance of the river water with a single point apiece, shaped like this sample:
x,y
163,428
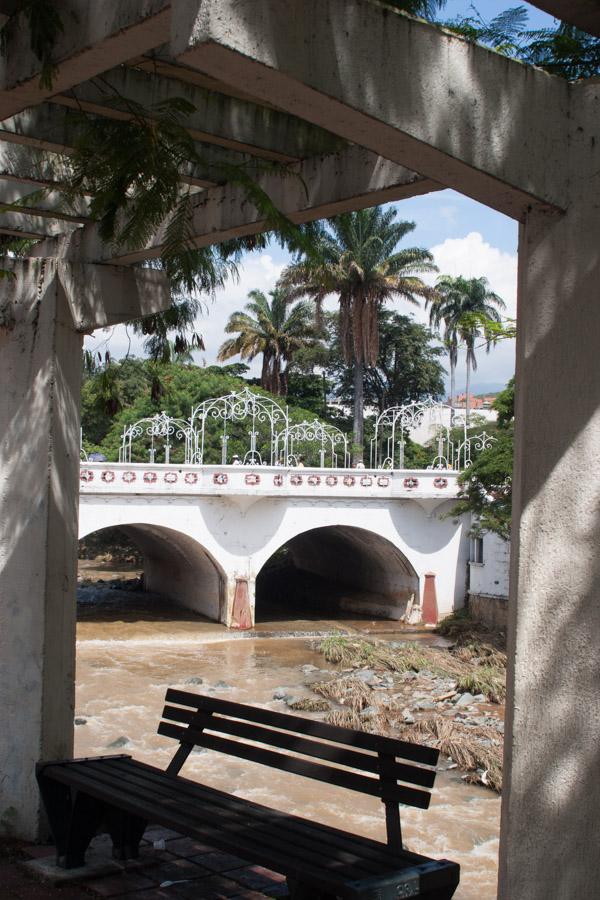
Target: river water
x,y
132,646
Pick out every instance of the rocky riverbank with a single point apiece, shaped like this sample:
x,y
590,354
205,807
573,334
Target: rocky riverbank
x,y
448,697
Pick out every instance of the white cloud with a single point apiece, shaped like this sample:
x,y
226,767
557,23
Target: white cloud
x,y
259,271
472,256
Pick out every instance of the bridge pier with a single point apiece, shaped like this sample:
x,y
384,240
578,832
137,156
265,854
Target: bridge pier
x,y
45,307
40,374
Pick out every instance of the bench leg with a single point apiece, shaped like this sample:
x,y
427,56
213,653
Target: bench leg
x,y
86,817
126,831
74,819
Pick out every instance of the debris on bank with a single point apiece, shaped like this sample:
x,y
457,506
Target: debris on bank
x,y
449,697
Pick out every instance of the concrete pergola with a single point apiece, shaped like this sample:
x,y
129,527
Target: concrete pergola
x,y
368,106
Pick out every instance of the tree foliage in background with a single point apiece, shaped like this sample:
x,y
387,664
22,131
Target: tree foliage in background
x,y
145,388
468,309
354,256
486,487
408,367
275,329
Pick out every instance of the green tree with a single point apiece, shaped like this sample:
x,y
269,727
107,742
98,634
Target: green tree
x,y
408,366
355,256
465,306
274,329
486,486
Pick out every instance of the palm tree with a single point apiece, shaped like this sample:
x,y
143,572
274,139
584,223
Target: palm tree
x,y
276,329
354,256
465,306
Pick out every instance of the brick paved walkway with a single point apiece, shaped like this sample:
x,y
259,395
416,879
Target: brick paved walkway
x,y
184,869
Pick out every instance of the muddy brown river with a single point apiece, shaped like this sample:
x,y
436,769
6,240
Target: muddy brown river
x,y
131,647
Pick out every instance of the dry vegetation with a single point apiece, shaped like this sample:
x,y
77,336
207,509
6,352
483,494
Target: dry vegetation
x,y
474,663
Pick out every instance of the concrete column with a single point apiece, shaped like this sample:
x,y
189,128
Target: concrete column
x,y
551,799
40,372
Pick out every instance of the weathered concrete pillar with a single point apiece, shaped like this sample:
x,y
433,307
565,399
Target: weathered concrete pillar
x,y
40,372
551,799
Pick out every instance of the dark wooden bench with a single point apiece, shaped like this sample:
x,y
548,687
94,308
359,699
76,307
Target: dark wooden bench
x,y
122,796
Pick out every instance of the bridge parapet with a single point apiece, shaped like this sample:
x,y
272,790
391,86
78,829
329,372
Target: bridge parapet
x,y
269,481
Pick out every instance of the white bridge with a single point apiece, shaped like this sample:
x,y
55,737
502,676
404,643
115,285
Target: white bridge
x,y
372,541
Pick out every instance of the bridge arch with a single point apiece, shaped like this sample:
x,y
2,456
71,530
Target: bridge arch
x,y
178,567
338,569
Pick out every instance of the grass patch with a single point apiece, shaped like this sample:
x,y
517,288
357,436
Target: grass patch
x,y
311,704
350,692
487,680
356,653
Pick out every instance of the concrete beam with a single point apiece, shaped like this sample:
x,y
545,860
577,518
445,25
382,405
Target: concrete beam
x,y
107,295
159,62
225,121
460,114
43,202
584,14
316,188
52,128
96,37
97,296
32,168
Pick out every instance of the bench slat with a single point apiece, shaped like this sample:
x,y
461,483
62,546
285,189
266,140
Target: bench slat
x,y
328,774
427,756
233,835
286,741
264,832
277,820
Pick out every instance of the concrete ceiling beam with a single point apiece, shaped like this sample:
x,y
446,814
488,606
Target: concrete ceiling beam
x,y
98,296
52,129
462,115
32,168
584,14
96,37
224,121
316,188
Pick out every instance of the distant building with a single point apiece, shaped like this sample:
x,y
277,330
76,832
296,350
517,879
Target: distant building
x,y
474,402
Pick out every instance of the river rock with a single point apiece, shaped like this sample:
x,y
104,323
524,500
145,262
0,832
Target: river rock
x,y
366,675
367,712
464,699
119,742
307,669
424,704
222,686
280,693
79,720
407,717
195,679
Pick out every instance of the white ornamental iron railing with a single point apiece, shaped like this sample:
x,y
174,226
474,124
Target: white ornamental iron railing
x,y
157,436
264,416
272,440
394,424
475,443
299,443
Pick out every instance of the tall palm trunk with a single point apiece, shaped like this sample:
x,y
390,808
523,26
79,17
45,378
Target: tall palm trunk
x,y
467,399
359,410
452,388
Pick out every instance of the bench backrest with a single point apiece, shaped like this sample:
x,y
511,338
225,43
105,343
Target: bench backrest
x,y
395,771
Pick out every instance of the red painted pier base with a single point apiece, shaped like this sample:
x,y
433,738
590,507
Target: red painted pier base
x,y
430,607
241,614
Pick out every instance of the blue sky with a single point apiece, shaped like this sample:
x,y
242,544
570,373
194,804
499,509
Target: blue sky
x,y
464,236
